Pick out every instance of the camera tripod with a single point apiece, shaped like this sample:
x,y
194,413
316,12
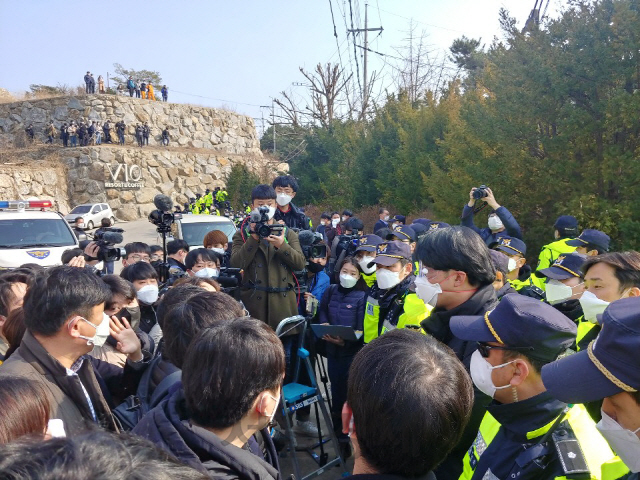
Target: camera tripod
x,y
296,396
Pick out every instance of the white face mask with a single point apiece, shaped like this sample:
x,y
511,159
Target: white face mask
x,y
344,218
624,442
481,374
283,199
387,279
394,225
335,222
102,331
512,264
592,306
347,281
557,292
427,292
386,218
275,409
364,265
219,251
148,294
495,223
207,272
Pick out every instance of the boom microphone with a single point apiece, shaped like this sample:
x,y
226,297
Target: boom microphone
x,y
306,238
112,237
163,203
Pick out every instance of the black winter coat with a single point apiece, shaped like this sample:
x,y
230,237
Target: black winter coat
x,y
340,306
294,218
169,428
437,324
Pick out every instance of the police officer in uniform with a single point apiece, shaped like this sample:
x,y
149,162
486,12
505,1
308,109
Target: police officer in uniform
x,y
566,229
519,273
565,284
392,302
526,433
608,369
591,243
365,256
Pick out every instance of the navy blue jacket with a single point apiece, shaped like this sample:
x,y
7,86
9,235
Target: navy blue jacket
x,y
294,218
512,229
169,427
379,225
340,306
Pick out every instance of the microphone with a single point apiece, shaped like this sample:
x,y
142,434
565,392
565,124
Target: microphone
x,y
163,203
306,238
112,237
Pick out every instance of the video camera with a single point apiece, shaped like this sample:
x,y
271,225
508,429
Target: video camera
x,y
262,229
229,278
106,238
348,243
480,192
162,217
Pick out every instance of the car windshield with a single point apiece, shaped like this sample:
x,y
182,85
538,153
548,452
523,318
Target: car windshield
x,y
81,209
27,233
193,233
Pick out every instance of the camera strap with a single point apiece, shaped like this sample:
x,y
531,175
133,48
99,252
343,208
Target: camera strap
x,y
479,209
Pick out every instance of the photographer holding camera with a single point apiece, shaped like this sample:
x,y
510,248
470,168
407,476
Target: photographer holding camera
x,y
268,253
313,280
501,222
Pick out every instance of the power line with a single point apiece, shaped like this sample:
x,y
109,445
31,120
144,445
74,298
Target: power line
x,y
424,23
355,53
216,99
335,34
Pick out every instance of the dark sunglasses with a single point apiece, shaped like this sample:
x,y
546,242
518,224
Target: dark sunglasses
x,y
485,349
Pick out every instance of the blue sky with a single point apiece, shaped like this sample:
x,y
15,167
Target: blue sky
x,y
237,54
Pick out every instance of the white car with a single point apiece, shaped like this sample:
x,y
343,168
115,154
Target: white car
x,y
193,228
92,213
32,236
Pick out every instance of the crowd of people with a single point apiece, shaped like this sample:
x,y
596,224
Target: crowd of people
x,y
142,89
85,132
463,361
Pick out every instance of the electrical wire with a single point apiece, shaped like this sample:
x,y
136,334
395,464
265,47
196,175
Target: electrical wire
x,y
216,99
355,53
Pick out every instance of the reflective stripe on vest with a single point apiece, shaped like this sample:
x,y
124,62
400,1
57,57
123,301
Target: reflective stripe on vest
x,y
414,312
602,462
371,319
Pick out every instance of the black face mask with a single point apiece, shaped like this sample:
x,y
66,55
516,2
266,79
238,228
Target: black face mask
x,y
315,267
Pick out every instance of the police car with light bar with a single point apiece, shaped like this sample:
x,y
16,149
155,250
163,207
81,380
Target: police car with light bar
x,y
30,234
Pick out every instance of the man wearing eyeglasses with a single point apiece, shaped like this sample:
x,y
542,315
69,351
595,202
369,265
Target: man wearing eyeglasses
x,y
136,252
527,433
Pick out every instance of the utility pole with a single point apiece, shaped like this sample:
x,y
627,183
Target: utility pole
x,y
366,29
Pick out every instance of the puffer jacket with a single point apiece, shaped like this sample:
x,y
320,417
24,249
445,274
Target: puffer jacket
x,y
341,306
169,427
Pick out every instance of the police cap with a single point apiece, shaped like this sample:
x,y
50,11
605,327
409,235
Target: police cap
x,y
518,321
608,366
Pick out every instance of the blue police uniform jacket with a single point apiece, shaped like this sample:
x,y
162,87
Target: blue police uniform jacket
x,y
512,229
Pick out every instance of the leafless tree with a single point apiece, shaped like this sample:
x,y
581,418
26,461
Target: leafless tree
x,y
419,68
326,85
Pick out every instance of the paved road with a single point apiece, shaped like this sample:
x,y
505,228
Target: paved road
x,y
137,231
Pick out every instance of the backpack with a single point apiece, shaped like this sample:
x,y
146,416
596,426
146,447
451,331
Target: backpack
x,y
134,407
